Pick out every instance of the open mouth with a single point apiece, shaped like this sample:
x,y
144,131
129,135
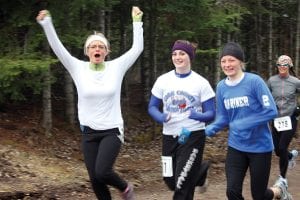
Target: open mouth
x,y
97,55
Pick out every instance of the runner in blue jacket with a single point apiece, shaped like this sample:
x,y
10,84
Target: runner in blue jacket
x,y
245,105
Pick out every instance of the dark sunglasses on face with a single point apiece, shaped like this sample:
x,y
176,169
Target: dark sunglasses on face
x,y
282,65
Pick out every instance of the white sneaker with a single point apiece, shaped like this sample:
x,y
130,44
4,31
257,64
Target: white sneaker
x,y
281,183
284,180
292,161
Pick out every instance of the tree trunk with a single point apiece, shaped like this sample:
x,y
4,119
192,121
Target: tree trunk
x,y
101,21
47,105
218,68
270,39
70,100
297,56
258,41
149,70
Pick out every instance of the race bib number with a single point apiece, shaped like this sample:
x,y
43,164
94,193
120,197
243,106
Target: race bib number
x,y
283,123
167,166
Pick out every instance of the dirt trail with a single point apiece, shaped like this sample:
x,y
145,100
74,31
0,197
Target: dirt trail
x,y
34,167
217,184
216,188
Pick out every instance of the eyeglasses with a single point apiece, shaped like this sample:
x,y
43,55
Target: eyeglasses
x,y
101,47
282,65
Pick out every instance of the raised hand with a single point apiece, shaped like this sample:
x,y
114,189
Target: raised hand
x,y
42,14
136,14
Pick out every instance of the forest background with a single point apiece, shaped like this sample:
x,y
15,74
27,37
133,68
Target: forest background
x,y
31,75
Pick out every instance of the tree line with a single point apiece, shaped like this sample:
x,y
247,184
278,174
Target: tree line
x,y
30,72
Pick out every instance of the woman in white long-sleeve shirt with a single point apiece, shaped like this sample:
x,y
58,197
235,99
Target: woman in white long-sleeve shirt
x,y
98,84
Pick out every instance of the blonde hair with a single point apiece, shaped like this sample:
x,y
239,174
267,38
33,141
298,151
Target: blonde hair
x,y
96,36
193,44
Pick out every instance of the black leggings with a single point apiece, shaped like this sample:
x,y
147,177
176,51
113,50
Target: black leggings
x,y
100,150
237,164
281,142
187,160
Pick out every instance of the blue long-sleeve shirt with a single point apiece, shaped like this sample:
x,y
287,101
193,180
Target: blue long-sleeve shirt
x,y
246,108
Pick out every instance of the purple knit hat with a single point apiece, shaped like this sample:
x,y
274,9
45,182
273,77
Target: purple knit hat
x,y
186,47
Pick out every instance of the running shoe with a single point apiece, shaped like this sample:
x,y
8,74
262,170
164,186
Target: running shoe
x,y
292,161
281,183
203,188
284,180
202,183
128,193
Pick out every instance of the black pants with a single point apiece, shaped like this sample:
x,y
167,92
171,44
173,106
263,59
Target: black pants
x,y
236,166
187,160
100,150
281,142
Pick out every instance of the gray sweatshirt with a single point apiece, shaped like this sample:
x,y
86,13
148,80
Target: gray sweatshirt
x,y
284,91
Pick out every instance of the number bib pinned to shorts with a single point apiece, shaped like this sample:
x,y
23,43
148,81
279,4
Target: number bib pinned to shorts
x,y
283,123
167,166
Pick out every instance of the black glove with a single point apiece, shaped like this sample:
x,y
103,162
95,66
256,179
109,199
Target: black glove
x,y
297,111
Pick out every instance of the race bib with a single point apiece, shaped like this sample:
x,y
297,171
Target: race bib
x,y
167,166
283,123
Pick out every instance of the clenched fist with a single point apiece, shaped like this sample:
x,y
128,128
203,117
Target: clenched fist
x,y
136,14
42,14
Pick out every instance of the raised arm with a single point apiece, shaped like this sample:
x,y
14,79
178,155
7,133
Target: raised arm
x,y
45,20
129,58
